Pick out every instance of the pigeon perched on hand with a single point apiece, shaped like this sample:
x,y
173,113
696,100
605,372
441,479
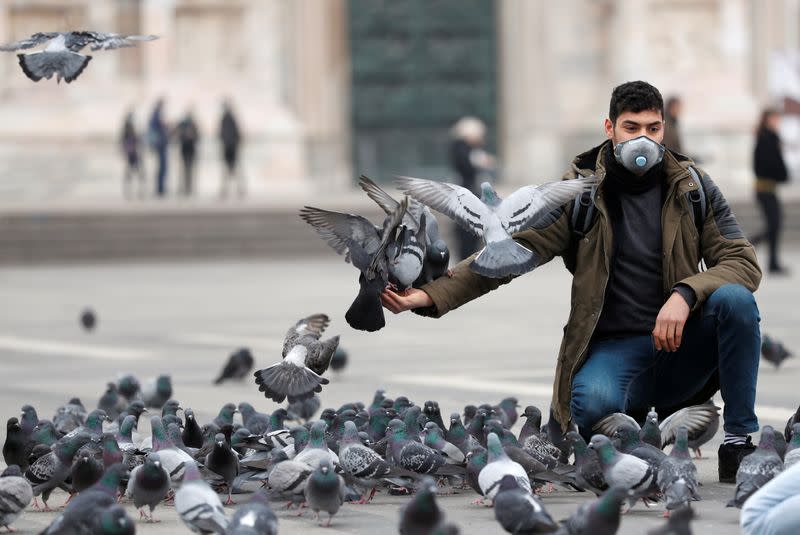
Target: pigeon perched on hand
x,y
305,358
365,245
237,367
61,56
495,219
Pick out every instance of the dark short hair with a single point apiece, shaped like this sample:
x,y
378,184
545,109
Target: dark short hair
x,y
634,97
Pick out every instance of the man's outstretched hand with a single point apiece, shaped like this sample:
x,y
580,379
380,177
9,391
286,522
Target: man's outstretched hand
x,y
671,319
412,298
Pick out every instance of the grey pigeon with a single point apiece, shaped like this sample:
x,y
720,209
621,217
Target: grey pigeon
x,y
433,439
256,422
237,366
128,386
678,466
198,505
111,402
405,257
631,443
325,490
254,518
287,478
519,511
793,448
434,250
50,471
69,416
499,466
773,351
305,358
113,520
696,419
780,444
15,495
365,246
598,517
533,423
422,515
81,514
224,462
148,485
588,472
306,409
317,449
677,524
173,459
623,470
495,219
157,392
698,438
408,454
61,56
361,464
757,469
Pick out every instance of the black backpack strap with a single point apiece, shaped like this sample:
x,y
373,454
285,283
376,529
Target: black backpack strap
x,y
697,200
583,212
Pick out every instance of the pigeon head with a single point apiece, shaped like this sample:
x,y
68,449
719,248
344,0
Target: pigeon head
x,y
396,429
174,433
219,440
469,412
325,467
12,425
440,249
767,441
95,419
112,477
300,434
378,398
316,438
126,428
192,473
170,419
602,445
681,447
431,408
628,436
489,195
29,413
327,416
495,447
422,510
189,413
411,418
12,471
66,448
128,386
401,403
350,435
240,437
209,430
246,410
115,521
509,403
172,406
136,408
226,413
478,456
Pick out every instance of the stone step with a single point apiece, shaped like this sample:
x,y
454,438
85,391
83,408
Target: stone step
x,y
233,231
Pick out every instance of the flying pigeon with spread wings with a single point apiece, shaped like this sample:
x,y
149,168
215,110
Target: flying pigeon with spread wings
x,y
61,55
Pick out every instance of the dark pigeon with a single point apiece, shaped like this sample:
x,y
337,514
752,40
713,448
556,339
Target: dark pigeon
x,y
223,461
588,472
325,490
239,364
598,517
773,351
519,511
88,319
148,486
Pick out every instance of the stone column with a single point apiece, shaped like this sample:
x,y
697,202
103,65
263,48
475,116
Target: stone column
x,y
530,138
319,90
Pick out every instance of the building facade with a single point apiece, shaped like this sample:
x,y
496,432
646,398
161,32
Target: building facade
x,y
294,79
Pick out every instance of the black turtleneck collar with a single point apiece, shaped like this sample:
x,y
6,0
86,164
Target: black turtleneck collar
x,y
620,179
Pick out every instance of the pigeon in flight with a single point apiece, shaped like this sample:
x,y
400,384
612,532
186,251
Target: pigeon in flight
x,y
364,245
61,55
495,219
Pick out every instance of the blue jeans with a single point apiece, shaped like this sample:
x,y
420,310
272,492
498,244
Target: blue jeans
x,y
775,508
628,374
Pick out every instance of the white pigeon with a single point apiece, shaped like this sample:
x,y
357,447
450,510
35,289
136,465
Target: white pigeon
x,y
495,219
61,57
198,505
498,466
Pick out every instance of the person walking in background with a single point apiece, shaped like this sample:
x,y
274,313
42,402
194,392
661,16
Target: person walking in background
x,y
133,165
468,159
188,135
231,139
672,134
770,171
158,138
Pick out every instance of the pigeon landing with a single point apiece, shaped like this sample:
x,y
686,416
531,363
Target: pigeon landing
x,y
773,351
364,245
61,56
237,367
495,219
299,375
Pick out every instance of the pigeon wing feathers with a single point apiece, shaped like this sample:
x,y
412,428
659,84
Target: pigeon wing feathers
x,y
337,229
609,424
32,41
389,204
77,41
524,206
695,419
456,202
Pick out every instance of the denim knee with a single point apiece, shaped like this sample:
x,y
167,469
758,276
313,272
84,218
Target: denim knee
x,y
734,302
590,404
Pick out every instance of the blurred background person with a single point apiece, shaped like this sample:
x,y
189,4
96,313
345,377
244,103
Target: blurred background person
x,y
158,139
133,164
231,139
770,171
468,159
187,135
672,134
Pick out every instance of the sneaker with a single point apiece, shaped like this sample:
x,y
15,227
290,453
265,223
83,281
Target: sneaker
x,y
730,455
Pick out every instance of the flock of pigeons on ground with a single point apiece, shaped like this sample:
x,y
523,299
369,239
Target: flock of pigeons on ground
x,y
287,458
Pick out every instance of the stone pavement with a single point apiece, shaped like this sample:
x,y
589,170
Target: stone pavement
x,y
184,318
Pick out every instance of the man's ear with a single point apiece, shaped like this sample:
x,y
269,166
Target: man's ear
x,y
609,127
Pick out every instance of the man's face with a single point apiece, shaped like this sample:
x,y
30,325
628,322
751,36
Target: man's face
x,y
631,125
